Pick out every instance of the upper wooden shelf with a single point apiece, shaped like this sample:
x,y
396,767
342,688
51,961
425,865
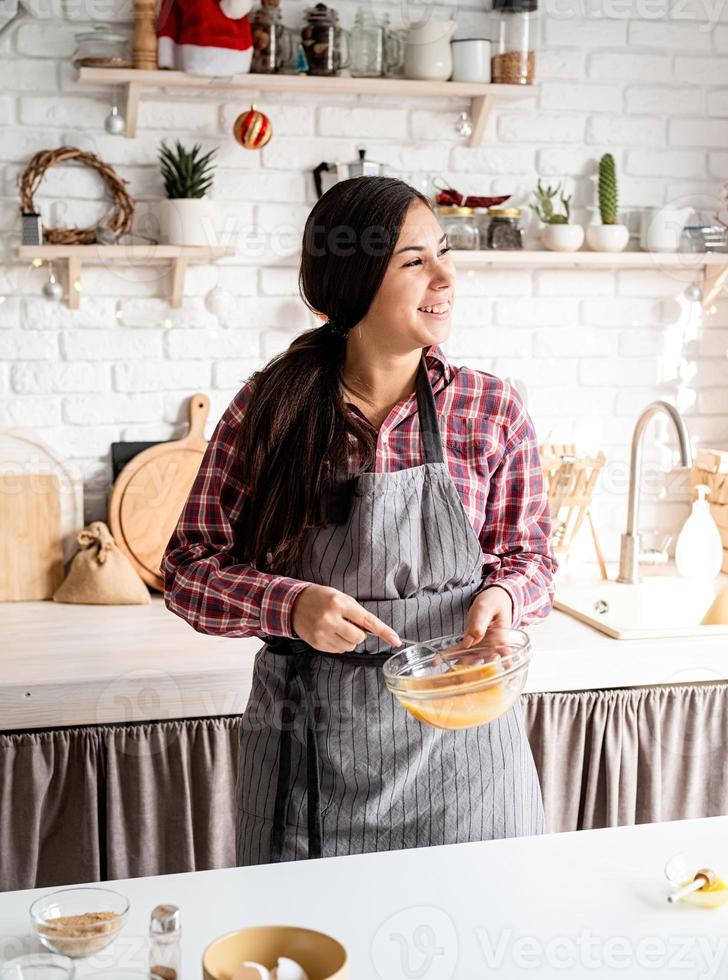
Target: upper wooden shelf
x,y
135,81
712,267
616,260
75,255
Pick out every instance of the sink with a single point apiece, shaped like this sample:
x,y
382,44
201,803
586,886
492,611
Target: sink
x,y
661,605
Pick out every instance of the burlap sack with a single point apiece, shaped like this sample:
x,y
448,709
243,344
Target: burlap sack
x,y
100,573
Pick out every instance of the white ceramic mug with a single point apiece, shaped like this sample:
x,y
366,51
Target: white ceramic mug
x,y
662,227
470,59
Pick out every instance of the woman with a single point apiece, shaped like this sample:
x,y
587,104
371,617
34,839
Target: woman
x,y
360,490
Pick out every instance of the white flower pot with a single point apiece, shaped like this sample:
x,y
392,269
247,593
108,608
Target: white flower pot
x,y
562,238
607,238
188,221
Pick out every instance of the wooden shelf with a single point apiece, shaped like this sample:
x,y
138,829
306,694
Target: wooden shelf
x,y
74,256
134,81
710,267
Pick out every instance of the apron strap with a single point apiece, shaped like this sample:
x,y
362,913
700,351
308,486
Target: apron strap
x,y
298,666
429,428
284,766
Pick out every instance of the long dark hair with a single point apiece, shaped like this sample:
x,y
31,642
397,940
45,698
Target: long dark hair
x,y
293,444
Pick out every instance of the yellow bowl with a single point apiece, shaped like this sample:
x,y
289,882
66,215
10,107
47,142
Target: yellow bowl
x,y
447,685
321,956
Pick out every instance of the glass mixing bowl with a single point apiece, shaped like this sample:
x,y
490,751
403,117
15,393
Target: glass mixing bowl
x,y
77,922
447,685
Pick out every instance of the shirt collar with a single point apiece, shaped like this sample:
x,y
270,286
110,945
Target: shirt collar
x,y
437,361
441,373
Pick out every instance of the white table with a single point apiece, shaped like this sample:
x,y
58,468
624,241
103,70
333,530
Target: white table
x,y
586,904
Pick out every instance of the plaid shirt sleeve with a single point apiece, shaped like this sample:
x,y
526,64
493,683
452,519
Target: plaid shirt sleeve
x,y
204,582
516,535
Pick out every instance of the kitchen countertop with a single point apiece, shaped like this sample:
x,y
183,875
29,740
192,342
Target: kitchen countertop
x,y
66,665
590,903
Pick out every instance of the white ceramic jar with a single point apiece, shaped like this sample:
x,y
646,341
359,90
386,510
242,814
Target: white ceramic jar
x,y
470,59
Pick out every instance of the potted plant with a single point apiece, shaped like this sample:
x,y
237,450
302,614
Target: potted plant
x,y
608,236
557,235
186,217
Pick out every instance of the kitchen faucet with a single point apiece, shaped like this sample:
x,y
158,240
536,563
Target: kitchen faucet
x,y
629,552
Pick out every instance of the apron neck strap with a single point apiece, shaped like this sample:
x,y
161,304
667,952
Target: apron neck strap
x,y
429,428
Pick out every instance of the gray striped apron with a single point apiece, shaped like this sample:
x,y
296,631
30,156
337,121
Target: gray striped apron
x,y
330,763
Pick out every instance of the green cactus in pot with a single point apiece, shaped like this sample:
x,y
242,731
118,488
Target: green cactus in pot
x,y
609,236
544,206
608,189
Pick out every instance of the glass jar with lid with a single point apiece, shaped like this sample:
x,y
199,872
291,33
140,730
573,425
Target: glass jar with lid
x,y
502,230
367,46
321,39
513,61
102,47
272,41
460,226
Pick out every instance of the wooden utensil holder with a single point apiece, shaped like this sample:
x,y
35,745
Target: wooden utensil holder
x,y
571,479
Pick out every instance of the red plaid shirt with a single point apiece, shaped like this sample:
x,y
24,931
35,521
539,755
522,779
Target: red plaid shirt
x,y
492,454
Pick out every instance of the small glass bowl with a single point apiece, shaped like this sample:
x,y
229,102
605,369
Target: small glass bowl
x,y
62,920
38,966
682,867
484,682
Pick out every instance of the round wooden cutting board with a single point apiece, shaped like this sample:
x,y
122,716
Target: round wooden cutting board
x,y
150,492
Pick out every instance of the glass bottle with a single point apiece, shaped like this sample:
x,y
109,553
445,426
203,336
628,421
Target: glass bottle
x,y
514,53
164,942
272,41
321,39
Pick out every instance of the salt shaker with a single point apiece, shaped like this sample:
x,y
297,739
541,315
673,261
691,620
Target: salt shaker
x,y
164,942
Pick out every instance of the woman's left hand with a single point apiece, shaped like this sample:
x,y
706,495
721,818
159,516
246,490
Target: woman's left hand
x,y
492,607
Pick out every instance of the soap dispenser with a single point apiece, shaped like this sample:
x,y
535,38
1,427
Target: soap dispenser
x,y
699,548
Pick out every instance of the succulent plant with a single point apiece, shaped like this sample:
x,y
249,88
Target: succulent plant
x,y
608,189
186,173
544,206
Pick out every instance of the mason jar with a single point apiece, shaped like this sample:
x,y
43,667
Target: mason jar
x,y
102,47
502,230
514,52
321,38
460,226
272,41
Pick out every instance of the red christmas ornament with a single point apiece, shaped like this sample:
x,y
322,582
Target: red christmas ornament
x,y
252,129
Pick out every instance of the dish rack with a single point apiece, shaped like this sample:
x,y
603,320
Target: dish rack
x,y
571,479
711,468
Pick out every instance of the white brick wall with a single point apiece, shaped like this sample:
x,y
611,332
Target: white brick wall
x,y
643,79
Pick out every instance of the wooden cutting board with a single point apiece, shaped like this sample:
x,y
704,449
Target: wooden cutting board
x,y
152,489
31,540
23,453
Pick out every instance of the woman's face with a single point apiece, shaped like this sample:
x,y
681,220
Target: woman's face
x,y
413,306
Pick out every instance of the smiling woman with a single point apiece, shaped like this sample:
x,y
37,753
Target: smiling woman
x,y
333,516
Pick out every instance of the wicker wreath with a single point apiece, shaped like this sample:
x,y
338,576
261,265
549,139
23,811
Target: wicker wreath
x,y
119,219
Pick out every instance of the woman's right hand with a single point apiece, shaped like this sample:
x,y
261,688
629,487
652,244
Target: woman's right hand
x,y
333,622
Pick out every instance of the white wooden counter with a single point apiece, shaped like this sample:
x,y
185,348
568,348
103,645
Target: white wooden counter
x,y
84,665
586,904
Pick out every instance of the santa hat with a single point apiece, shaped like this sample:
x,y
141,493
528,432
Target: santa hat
x,y
205,37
